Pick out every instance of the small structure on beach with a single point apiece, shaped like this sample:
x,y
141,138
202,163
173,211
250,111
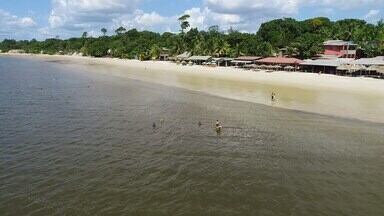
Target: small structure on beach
x,y
182,57
281,62
241,61
378,60
16,51
222,61
373,67
328,66
164,57
199,59
164,54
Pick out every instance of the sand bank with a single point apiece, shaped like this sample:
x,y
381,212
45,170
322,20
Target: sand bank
x,y
352,97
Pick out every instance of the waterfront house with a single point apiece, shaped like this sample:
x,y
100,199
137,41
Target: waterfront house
x,y
339,49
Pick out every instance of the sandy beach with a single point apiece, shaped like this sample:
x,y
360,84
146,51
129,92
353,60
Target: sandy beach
x,y
351,97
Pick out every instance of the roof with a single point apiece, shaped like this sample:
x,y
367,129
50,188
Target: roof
x,y
338,43
379,60
280,60
326,62
223,59
199,58
241,62
377,68
184,55
248,58
324,56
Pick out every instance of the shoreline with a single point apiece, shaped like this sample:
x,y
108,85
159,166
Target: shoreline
x,y
359,98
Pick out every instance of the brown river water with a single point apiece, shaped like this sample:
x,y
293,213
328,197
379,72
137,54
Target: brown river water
x,y
79,143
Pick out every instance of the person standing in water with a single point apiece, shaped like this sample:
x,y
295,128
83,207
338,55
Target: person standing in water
x,y
218,127
273,96
218,123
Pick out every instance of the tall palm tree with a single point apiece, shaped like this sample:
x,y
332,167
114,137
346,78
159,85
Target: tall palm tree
x,y
184,24
104,31
120,30
222,48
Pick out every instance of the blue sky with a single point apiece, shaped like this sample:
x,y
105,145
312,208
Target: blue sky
x,y
40,19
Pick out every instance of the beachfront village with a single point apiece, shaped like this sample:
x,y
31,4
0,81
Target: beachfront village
x,y
339,58
348,47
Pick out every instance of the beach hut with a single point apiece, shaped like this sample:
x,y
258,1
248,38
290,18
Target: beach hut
x,y
241,61
182,57
378,70
378,60
355,68
200,59
324,65
281,61
223,61
164,54
16,51
344,69
164,57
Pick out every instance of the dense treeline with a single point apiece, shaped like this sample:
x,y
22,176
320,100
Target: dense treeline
x,y
302,39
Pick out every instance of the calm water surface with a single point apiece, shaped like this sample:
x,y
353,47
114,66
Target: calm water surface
x,y
80,143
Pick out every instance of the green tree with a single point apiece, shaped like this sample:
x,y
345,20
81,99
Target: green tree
x,y
184,23
104,31
120,30
84,35
155,51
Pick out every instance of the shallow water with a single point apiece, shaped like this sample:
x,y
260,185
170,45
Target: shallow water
x,y
354,104
80,143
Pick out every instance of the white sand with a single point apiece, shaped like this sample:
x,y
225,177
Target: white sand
x,y
352,97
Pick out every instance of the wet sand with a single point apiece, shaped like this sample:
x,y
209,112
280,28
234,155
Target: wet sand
x,y
350,97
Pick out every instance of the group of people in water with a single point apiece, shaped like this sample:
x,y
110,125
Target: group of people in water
x,y
218,126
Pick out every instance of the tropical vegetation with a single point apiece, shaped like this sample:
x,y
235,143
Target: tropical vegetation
x,y
302,39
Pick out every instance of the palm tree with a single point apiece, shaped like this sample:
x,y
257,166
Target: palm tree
x,y
184,24
222,48
104,31
84,35
198,45
179,46
120,30
155,51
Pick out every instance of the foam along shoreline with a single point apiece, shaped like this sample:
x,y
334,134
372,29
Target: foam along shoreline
x,y
351,97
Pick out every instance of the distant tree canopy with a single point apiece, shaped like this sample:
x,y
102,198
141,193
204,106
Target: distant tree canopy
x,y
302,39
